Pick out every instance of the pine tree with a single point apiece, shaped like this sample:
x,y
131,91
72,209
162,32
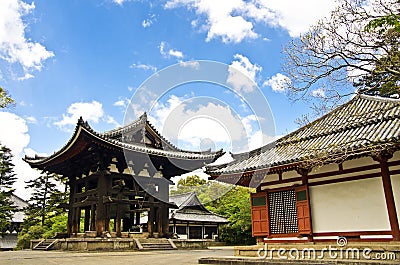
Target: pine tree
x,y
7,179
45,200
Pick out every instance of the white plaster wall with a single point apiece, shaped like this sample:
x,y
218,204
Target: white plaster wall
x,y
396,156
324,168
349,206
396,193
359,162
283,185
290,174
272,177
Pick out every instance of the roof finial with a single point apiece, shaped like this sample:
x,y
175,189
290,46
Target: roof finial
x,y
80,121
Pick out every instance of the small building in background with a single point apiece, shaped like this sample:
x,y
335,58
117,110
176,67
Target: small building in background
x,y
9,240
192,220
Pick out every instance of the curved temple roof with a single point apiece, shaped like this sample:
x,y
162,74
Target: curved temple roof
x,y
363,125
191,209
113,140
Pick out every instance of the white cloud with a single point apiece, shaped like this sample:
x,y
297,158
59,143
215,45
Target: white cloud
x,y
119,2
144,67
201,126
318,93
167,53
277,82
191,64
14,132
234,20
31,120
110,120
122,102
89,111
26,77
243,74
175,53
294,16
31,153
14,47
146,23
258,139
222,19
14,135
149,21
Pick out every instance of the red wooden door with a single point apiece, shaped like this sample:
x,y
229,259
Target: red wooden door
x,y
259,214
303,211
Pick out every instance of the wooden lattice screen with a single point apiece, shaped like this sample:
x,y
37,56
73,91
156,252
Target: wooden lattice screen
x,y
282,212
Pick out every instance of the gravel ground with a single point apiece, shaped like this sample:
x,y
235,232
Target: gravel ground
x,y
170,257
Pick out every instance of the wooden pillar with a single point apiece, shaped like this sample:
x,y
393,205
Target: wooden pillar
x,y
102,215
382,158
150,221
304,174
163,221
73,222
93,217
118,221
304,180
160,225
76,222
137,218
72,188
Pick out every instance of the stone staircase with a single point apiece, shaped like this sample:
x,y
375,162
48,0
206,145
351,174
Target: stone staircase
x,y
155,244
45,244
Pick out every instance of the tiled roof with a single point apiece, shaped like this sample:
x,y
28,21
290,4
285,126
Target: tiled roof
x,y
191,209
110,139
359,126
139,122
198,217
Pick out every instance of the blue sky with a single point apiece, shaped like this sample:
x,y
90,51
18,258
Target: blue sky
x,y
63,59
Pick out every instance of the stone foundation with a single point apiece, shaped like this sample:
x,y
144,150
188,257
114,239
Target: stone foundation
x,y
82,243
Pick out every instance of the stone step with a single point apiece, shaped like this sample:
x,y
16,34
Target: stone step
x,y
155,244
158,243
45,244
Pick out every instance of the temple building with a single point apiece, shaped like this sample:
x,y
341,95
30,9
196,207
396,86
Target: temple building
x,y
9,238
337,176
115,176
192,220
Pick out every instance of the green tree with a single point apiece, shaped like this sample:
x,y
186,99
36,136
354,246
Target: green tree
x,y
7,179
5,99
189,184
44,217
356,45
235,205
384,79
45,200
230,201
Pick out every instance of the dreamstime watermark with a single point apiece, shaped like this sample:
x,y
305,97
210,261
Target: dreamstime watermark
x,y
340,251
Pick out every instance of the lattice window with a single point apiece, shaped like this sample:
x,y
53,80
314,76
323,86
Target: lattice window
x,y
282,212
